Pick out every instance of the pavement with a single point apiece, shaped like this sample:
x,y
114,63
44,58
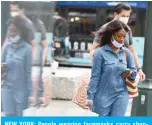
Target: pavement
x,y
66,108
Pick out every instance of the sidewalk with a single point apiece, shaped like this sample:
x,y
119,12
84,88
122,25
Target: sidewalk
x,y
59,107
69,104
62,108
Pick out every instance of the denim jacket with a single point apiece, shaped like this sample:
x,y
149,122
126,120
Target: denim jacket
x,y
18,61
106,82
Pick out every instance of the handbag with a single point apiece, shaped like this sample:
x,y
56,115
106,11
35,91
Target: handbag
x,y
132,85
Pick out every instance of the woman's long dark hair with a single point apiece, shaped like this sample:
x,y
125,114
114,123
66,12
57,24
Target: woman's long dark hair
x,y
19,22
110,29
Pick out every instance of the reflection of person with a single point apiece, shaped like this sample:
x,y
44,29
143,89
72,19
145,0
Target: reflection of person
x,y
16,53
107,90
17,9
40,27
121,12
42,48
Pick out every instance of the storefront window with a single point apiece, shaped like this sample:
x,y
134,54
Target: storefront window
x,y
81,23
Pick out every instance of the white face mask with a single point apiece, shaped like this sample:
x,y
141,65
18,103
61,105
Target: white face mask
x,y
124,19
13,14
117,44
15,39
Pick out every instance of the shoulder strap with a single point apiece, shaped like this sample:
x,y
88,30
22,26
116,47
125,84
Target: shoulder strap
x,y
126,55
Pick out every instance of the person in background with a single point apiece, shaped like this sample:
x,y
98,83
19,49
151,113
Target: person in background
x,y
122,13
107,92
17,55
40,27
42,48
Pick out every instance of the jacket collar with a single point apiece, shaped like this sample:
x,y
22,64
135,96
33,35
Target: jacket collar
x,y
21,43
108,48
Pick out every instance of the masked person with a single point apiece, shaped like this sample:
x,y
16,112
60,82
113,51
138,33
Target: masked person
x,y
122,13
17,54
107,92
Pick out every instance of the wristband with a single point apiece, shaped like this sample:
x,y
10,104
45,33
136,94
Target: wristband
x,y
138,69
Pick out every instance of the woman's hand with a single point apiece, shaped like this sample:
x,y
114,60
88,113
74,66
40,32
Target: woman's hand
x,y
89,104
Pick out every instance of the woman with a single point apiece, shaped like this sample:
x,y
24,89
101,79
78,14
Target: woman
x,y
107,92
17,54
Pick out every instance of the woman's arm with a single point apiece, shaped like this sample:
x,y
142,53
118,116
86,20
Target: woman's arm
x,y
131,64
95,74
130,60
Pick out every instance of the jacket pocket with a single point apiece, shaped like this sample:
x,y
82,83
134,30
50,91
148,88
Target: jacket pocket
x,y
108,65
109,62
18,57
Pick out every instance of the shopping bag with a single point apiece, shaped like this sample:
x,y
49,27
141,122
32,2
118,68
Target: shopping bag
x,y
132,86
80,96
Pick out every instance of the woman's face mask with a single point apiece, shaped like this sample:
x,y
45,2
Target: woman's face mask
x,y
15,39
13,33
116,43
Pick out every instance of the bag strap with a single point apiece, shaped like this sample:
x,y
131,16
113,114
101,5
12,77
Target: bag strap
x,y
126,55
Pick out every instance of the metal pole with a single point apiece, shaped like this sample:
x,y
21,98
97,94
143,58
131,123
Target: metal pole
x,y
148,43
142,105
147,64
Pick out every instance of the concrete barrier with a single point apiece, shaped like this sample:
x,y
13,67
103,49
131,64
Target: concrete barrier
x,y
66,81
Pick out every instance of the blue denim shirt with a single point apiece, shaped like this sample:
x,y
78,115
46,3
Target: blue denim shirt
x,y
106,83
18,68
